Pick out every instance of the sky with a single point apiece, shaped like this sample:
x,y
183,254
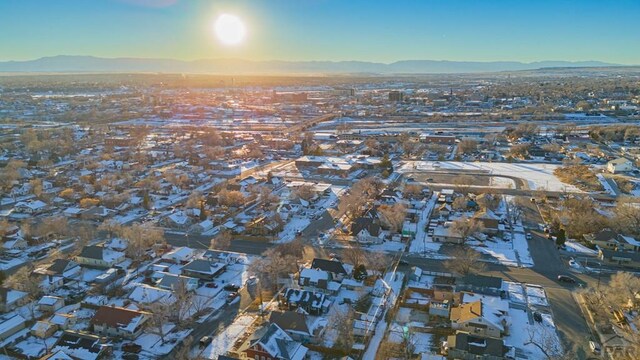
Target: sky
x,y
336,30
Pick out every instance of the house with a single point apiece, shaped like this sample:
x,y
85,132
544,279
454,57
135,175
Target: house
x,y
11,326
610,240
171,282
335,268
50,304
15,243
177,220
478,319
145,294
490,222
301,327
264,226
366,230
315,278
179,255
43,329
97,213
273,343
61,267
203,269
82,346
119,322
465,346
619,165
30,207
443,233
63,321
620,258
481,284
314,303
98,256
11,299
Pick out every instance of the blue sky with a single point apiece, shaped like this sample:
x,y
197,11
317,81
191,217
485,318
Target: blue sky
x,y
372,30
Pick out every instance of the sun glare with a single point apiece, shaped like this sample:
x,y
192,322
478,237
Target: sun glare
x,y
229,29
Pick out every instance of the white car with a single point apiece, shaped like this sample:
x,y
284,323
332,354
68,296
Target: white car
x,y
574,264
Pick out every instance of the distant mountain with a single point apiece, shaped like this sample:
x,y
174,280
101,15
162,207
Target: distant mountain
x,y
64,63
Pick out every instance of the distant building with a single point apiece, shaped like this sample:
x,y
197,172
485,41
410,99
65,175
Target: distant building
x,y
396,96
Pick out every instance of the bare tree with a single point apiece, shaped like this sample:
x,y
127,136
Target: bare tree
x,y
465,227
343,324
393,216
141,237
22,280
159,316
273,266
222,241
545,340
465,261
354,255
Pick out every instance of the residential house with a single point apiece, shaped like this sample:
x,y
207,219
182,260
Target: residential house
x,y
30,207
50,304
171,282
11,299
366,230
336,268
620,258
203,269
312,302
11,326
619,165
82,346
264,226
119,322
444,233
300,326
43,329
60,267
610,240
314,278
273,343
605,238
98,256
478,319
179,255
466,346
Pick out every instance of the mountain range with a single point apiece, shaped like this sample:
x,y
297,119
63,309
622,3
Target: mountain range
x,y
75,64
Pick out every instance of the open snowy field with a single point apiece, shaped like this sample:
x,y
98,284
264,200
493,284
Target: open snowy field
x,y
537,176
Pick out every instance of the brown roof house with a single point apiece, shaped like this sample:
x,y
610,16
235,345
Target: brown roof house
x,y
478,319
119,322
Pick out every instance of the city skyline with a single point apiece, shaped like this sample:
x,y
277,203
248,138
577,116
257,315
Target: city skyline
x,y
324,30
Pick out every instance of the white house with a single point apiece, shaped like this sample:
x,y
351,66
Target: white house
x,y
619,165
30,207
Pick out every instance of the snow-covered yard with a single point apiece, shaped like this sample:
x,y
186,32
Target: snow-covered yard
x,y
537,175
525,332
223,342
511,253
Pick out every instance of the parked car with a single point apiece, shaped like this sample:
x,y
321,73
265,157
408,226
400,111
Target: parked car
x,y
204,341
232,296
595,348
528,236
566,279
131,348
231,287
211,285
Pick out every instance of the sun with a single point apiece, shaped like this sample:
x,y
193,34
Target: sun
x,y
229,29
